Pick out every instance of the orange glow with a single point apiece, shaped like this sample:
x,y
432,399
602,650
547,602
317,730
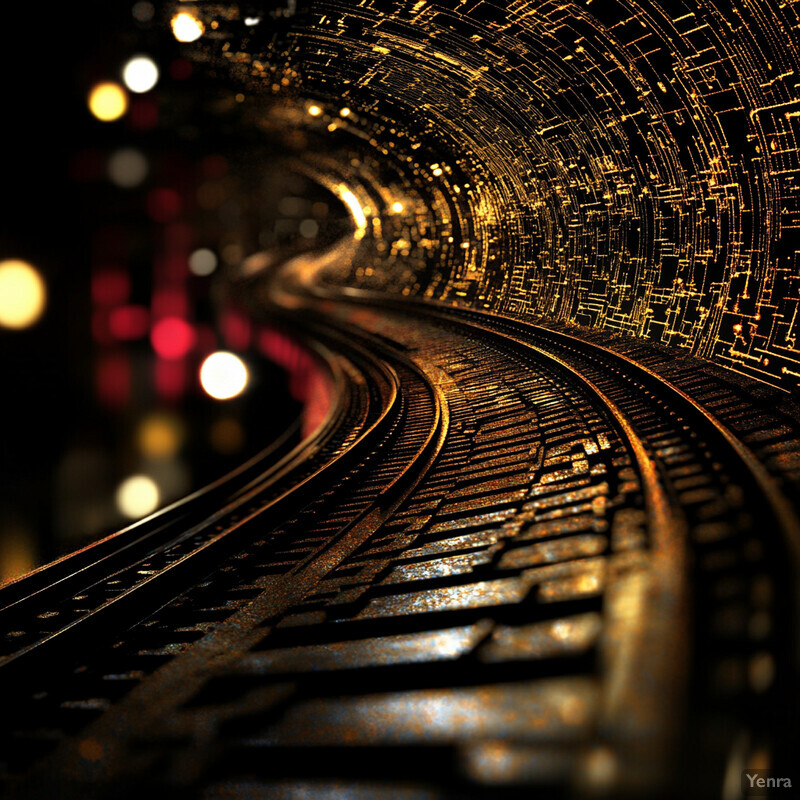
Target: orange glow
x,y
17,553
160,435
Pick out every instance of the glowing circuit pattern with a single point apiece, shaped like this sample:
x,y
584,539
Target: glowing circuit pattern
x,y
629,164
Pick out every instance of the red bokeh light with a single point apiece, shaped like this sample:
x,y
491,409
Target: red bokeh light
x,y
111,287
170,379
172,302
235,331
172,338
129,322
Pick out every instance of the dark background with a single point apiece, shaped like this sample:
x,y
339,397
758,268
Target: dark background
x,y
59,212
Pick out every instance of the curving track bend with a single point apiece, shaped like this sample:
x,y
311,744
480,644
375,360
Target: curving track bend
x,y
512,558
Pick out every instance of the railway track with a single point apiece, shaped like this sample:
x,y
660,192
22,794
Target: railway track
x,y
510,559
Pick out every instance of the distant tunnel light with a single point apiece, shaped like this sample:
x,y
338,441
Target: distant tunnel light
x,y
23,295
223,375
140,74
137,496
186,27
108,101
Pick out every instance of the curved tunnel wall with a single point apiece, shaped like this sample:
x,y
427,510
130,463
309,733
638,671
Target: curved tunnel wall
x,y
627,165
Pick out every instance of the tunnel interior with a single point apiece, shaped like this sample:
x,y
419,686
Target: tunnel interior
x,y
623,165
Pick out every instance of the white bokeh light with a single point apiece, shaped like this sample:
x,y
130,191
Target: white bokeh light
x,y
223,375
137,496
186,27
203,262
127,167
140,74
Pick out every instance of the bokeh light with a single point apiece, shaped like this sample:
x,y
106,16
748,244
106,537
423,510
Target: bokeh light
x,y
186,28
315,111
140,74
137,496
108,101
129,322
203,262
160,435
143,11
308,228
227,436
172,337
223,375
127,168
23,295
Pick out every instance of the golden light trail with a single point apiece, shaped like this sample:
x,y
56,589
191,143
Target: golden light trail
x,y
351,201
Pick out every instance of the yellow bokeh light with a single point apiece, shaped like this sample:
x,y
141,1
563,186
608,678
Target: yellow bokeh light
x,y
22,294
186,28
108,101
315,111
137,496
160,435
344,112
223,375
397,207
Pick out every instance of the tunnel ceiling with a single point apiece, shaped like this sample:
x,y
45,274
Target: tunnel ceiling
x,y
627,165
